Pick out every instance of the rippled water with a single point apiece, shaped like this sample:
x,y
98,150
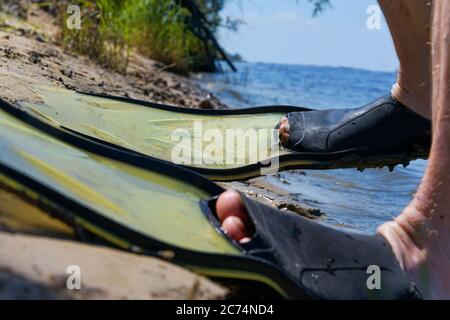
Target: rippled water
x,y
349,198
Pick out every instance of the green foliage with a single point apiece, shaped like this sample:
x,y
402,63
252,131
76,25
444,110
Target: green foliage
x,y
105,32
159,29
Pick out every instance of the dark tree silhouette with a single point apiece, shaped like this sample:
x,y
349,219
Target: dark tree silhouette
x,y
205,20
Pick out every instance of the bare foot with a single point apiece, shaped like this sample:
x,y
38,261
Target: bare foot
x,y
412,237
283,131
233,216
421,245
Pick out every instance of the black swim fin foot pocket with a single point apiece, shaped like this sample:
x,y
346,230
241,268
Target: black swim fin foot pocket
x,y
382,128
320,262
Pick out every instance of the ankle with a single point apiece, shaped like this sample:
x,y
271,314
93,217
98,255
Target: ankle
x,y
418,104
403,236
419,245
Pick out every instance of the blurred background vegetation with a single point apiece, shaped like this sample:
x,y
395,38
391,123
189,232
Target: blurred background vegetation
x,y
163,30
179,33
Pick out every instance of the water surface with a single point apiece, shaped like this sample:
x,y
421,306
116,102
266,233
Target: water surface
x,y
359,201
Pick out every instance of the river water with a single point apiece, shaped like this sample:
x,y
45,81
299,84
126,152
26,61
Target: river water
x,y
349,198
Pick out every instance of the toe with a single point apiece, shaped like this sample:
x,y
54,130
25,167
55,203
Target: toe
x,y
233,216
235,228
284,130
230,204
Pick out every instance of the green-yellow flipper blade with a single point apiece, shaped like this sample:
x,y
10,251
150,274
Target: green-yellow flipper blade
x,y
223,142
164,208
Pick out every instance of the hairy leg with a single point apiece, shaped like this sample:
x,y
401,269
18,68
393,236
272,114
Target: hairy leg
x,y
420,236
410,22
410,25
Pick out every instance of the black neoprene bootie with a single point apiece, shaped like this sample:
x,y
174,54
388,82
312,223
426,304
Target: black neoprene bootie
x,y
384,128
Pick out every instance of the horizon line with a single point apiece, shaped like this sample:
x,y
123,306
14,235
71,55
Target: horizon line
x,y
317,65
